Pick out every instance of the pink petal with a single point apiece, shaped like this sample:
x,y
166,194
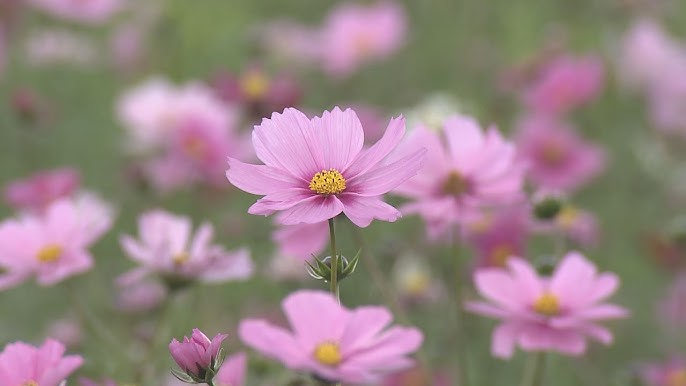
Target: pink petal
x,y
463,135
362,210
383,179
503,339
486,309
525,278
603,311
364,324
571,278
340,136
305,306
312,210
369,158
395,342
258,179
233,370
497,285
271,341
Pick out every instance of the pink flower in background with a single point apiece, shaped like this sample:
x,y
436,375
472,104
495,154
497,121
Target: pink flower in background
x,y
334,342
67,330
23,364
468,171
232,372
373,121
290,42
197,354
168,247
316,169
667,102
671,308
668,373
140,295
579,225
497,235
353,34
128,47
564,84
556,157
301,241
36,192
84,11
61,47
52,246
554,313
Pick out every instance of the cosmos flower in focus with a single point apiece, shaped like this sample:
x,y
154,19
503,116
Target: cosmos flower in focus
x,y
333,342
23,364
539,313
555,156
168,247
316,169
466,170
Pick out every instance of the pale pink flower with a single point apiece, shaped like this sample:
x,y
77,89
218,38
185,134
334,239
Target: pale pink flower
x,y
555,156
36,192
67,330
316,169
56,47
140,295
667,102
669,373
671,308
565,83
495,236
168,247
197,354
333,342
465,171
353,34
540,313
232,372
84,11
23,364
52,246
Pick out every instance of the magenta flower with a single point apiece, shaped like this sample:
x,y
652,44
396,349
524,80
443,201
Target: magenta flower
x,y
470,171
554,313
354,34
198,355
24,365
316,169
564,84
52,246
168,247
333,342
556,157
36,192
668,373
232,372
89,12
495,236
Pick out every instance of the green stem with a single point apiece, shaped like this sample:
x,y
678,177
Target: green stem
x,y
533,374
333,283
459,314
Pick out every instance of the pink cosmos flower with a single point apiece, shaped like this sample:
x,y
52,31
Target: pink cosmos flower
x,y
333,342
556,157
36,192
52,246
85,11
232,372
353,34
668,373
667,102
578,225
564,84
554,313
23,364
197,354
471,171
168,247
315,169
495,236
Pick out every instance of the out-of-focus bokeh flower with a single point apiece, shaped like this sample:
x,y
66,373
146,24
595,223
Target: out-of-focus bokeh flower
x,y
296,244
416,376
37,191
466,169
668,373
67,330
233,371
553,313
46,365
140,295
89,11
433,111
57,47
316,169
672,307
414,282
555,156
333,342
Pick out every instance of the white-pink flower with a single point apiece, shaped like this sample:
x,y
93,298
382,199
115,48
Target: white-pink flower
x,y
168,246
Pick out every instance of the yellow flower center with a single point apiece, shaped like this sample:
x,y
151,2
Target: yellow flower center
x,y
30,383
553,153
548,305
254,85
417,283
455,185
49,253
328,353
677,378
500,254
181,258
328,182
194,147
567,216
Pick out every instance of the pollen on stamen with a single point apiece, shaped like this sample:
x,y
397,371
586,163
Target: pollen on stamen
x,y
328,353
328,182
49,253
547,304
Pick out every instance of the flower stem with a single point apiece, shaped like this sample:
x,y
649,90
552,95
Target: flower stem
x,y
533,374
334,261
459,313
